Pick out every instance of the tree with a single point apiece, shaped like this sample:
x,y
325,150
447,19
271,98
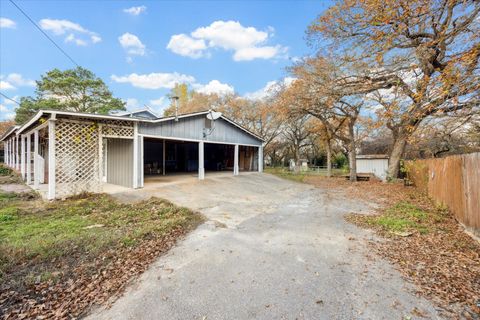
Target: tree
x,y
77,90
428,49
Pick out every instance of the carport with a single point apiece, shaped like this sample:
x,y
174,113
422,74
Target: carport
x,y
191,143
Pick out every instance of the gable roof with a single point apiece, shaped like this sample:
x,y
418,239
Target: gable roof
x,y
135,112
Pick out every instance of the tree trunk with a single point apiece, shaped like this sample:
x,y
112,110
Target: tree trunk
x,y
329,159
395,156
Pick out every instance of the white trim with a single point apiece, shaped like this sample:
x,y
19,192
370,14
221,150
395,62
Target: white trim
x,y
17,153
201,161
40,127
124,118
51,158
116,137
197,140
76,114
135,155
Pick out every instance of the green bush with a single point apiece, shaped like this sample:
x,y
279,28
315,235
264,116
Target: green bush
x,y
5,171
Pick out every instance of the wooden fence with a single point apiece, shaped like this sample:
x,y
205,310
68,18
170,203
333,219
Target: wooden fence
x,y
453,181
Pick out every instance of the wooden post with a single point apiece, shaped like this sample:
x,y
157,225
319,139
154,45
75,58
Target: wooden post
x,y
163,155
22,156
29,159
51,158
100,152
201,168
36,177
17,155
5,152
142,169
235,161
135,155
260,159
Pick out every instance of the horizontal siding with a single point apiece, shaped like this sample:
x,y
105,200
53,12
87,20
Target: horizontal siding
x,y
120,162
192,128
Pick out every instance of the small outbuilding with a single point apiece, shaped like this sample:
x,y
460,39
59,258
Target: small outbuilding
x,y
376,164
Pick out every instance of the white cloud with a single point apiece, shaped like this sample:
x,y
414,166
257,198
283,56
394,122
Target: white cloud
x,y
247,43
4,85
214,86
185,46
160,102
95,38
132,103
154,80
9,102
132,44
71,38
135,11
7,23
18,80
74,30
269,89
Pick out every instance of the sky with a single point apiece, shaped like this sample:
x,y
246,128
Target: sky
x,y
142,48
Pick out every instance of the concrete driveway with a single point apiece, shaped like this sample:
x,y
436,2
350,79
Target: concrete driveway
x,y
272,249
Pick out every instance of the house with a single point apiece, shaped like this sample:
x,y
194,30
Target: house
x,y
376,164
64,153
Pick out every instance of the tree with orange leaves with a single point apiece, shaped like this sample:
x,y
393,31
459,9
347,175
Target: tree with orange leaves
x,y
426,50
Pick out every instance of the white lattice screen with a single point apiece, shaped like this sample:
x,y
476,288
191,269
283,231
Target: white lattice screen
x,y
117,131
77,158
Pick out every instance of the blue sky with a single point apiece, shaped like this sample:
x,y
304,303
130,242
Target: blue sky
x,y
141,48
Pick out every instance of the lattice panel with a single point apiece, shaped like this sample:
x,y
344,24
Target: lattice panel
x,y
115,130
77,158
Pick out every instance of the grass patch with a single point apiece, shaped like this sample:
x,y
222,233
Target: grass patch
x,y
283,172
36,233
404,217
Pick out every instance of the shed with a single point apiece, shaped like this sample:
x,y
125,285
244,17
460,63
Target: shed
x,y
376,164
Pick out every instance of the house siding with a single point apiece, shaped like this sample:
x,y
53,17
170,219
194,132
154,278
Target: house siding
x,y
192,128
120,162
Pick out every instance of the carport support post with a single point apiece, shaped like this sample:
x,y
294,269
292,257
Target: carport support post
x,y
5,152
260,159
201,169
29,159
36,177
235,161
22,156
17,158
51,158
135,155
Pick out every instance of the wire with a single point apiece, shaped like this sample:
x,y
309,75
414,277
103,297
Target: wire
x,y
44,33
6,97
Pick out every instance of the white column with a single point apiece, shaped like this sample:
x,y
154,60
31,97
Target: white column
x,y
142,169
5,152
100,152
51,159
260,159
201,169
9,156
22,156
29,159
235,161
163,155
36,177
17,153
135,155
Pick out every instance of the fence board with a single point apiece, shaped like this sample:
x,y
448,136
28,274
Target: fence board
x,y
453,181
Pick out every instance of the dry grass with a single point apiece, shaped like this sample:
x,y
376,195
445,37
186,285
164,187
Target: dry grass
x,y
82,250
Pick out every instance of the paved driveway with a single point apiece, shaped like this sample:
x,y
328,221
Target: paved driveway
x,y
272,249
